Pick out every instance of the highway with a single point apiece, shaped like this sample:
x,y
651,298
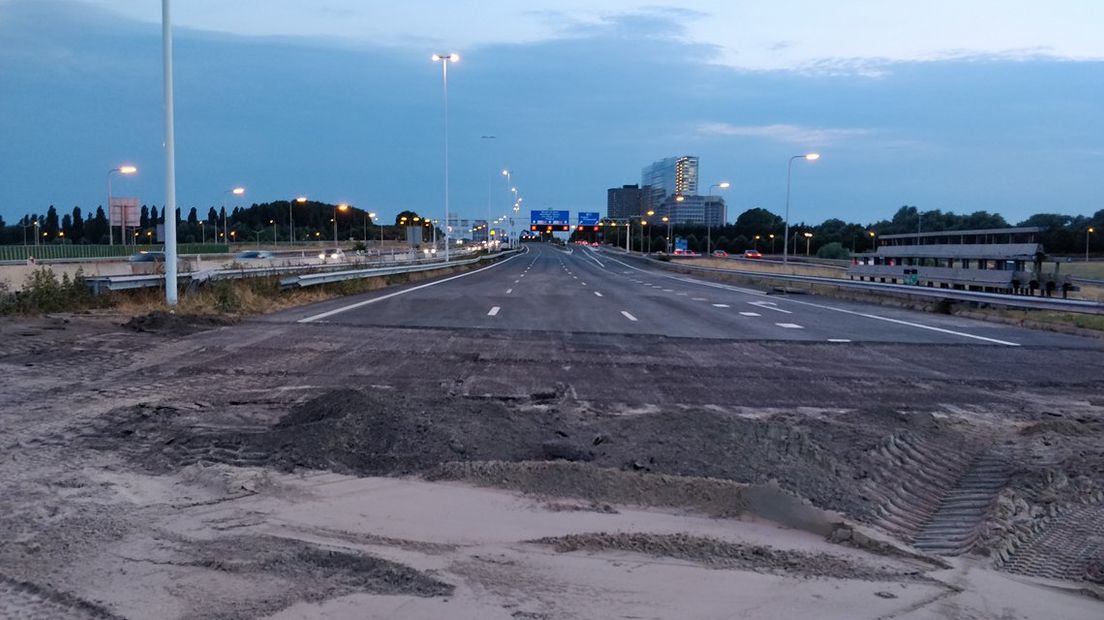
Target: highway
x,y
581,290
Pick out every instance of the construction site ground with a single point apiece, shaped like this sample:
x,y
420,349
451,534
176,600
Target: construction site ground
x,y
192,467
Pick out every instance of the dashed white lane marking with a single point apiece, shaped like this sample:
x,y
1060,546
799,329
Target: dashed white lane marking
x,y
494,311
750,314
789,325
838,340
684,294
768,305
721,306
700,299
583,283
667,290
628,316
516,281
361,304
509,290
597,293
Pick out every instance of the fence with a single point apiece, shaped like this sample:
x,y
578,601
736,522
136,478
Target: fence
x,y
80,251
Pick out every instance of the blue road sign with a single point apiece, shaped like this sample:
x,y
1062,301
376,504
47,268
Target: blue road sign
x,y
549,217
587,218
681,245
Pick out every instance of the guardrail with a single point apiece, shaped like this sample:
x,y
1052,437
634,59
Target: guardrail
x,y
311,274
996,299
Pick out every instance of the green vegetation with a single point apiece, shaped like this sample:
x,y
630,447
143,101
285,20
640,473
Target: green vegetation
x,y
45,292
834,250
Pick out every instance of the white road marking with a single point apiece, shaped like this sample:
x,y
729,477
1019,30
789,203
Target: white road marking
x,y
684,294
509,290
823,307
838,340
360,304
667,290
789,325
583,283
769,305
700,299
750,314
494,311
597,293
721,306
628,316
590,253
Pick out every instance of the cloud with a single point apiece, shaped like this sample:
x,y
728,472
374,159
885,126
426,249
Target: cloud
x,y
791,134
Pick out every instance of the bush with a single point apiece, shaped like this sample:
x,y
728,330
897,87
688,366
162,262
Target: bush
x,y
833,250
44,292
227,297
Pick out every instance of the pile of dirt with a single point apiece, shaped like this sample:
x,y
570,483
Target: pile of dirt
x,y
172,324
728,555
379,432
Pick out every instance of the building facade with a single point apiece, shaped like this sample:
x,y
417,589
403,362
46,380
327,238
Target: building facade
x,y
694,210
668,177
626,201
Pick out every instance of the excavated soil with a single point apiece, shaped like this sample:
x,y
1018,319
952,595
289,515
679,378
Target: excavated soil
x,y
364,432
722,554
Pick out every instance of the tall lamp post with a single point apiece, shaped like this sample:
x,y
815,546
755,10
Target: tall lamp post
x,y
343,208
373,217
808,242
708,224
122,233
291,217
670,221
237,191
1088,232
789,171
445,59
170,157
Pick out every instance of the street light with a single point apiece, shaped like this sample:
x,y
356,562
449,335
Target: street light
x,y
708,224
291,217
445,59
110,235
341,207
873,243
1088,232
772,242
237,191
273,222
789,170
808,240
669,220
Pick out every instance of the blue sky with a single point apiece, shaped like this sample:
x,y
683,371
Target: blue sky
x,y
994,106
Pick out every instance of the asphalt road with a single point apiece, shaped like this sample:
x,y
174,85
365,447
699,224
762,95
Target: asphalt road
x,y
581,290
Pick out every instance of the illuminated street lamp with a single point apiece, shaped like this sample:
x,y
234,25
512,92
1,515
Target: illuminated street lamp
x,y
128,170
273,222
789,171
808,241
291,217
341,207
445,59
670,221
708,224
237,191
1088,232
772,242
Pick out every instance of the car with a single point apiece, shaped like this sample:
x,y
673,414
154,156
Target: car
x,y
253,255
332,254
720,253
595,244
752,254
147,256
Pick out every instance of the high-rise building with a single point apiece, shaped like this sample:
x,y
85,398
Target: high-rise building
x,y
669,177
624,202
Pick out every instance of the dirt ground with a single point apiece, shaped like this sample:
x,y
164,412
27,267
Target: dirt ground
x,y
176,467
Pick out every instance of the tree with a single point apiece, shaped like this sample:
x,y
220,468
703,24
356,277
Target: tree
x,y
834,249
212,216
51,225
78,226
193,217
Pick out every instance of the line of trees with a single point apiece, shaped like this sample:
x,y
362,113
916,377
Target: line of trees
x,y
834,238
258,222
753,229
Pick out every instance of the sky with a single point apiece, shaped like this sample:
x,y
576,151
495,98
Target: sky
x,y
940,104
